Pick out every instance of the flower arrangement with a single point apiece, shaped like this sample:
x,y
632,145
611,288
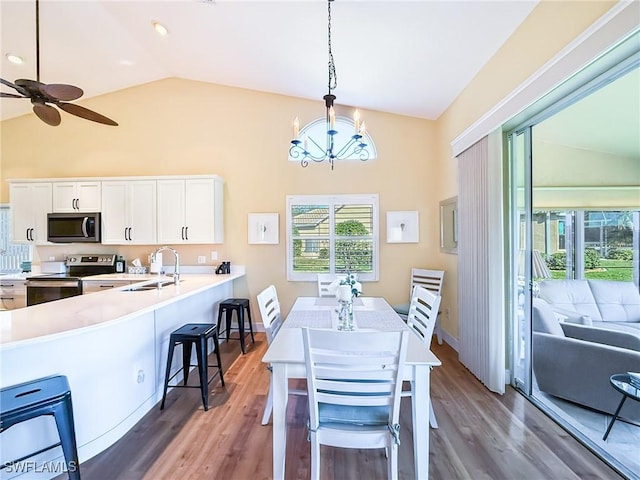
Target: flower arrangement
x,y
346,288
350,280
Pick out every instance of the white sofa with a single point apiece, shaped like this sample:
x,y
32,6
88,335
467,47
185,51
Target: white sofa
x,y
584,331
574,362
612,305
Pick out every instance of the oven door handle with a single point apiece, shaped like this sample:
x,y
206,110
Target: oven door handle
x,y
52,283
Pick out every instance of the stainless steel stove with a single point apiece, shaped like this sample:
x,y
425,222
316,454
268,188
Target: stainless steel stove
x,y
49,287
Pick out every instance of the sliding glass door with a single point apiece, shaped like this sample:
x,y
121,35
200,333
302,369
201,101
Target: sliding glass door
x,y
574,214
520,177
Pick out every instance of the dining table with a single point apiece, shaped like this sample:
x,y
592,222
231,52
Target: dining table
x,y
286,357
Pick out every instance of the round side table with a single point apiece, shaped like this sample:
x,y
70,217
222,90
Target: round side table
x,y
622,383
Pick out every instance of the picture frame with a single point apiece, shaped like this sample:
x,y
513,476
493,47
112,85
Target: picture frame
x,y
449,225
403,227
263,229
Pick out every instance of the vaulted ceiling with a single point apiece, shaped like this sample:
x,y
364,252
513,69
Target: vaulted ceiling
x,y
406,57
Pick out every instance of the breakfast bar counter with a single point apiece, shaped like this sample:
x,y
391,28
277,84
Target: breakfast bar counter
x,y
66,316
112,346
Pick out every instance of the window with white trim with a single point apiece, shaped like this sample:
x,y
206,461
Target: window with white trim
x,y
332,234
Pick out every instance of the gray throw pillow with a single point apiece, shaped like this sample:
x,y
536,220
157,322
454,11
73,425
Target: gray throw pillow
x,y
544,319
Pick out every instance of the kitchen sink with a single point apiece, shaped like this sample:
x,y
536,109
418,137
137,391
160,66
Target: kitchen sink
x,y
150,286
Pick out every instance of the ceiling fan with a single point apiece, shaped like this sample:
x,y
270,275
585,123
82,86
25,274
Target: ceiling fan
x,y
43,95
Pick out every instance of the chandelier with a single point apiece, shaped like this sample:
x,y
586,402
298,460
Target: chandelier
x,y
309,149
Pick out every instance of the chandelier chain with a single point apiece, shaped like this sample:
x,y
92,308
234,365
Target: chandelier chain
x,y
333,78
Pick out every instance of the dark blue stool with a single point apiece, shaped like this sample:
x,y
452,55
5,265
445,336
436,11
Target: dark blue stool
x,y
45,396
187,335
238,305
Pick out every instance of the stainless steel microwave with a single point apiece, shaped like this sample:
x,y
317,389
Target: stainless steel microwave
x,y
73,227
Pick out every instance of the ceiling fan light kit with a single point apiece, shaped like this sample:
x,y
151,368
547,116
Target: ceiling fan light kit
x,y
43,95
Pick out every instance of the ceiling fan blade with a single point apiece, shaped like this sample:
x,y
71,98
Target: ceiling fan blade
x,y
47,114
32,87
20,90
61,91
85,113
10,95
7,83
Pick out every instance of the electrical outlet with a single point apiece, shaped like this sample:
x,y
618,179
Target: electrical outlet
x,y
214,255
52,259
446,313
202,259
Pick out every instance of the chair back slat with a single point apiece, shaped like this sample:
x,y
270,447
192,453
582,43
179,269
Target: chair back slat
x,y
270,312
354,369
429,279
423,312
326,279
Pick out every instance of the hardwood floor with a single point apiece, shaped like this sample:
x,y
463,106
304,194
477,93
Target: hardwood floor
x,y
481,435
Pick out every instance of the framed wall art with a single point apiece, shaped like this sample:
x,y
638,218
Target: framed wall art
x,y
263,228
402,227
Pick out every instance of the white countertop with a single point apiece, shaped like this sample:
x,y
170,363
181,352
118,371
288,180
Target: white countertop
x,y
131,277
62,317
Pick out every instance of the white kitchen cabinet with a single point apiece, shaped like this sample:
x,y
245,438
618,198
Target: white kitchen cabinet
x,y
92,286
80,196
30,204
129,212
190,211
13,294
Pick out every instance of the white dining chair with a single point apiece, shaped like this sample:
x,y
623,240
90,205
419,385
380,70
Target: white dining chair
x,y
354,384
431,280
326,279
421,319
272,320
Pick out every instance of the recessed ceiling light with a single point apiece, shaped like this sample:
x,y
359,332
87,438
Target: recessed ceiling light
x,y
17,59
160,29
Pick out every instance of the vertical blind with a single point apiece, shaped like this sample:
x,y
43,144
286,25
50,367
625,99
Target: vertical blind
x,y
480,263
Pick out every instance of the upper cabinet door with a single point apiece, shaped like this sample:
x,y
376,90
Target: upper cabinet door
x,y
76,197
142,212
203,214
30,204
129,212
190,211
114,212
171,211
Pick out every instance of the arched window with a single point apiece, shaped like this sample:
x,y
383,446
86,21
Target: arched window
x,y
314,139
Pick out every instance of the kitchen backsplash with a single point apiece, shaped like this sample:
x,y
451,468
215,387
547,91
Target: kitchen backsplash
x,y
188,253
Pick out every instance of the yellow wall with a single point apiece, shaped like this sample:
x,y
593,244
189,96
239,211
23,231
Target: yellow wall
x,y
544,33
183,127
178,126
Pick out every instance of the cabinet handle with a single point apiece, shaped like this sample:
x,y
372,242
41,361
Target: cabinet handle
x,y
186,233
182,234
130,239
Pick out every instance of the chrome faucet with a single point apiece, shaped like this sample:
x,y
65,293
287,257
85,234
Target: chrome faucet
x,y
176,273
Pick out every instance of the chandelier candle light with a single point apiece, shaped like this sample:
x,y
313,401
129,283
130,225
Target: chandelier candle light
x,y
355,147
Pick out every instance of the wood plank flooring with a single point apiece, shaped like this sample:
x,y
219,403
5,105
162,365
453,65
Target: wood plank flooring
x,y
481,436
